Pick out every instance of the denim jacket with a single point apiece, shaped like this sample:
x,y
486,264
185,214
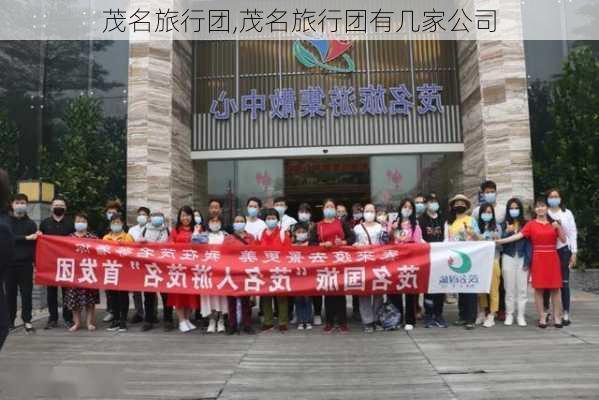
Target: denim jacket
x,y
520,248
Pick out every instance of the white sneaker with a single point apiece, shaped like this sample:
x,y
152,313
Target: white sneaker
x,y
408,327
509,320
211,326
221,325
183,327
489,321
481,318
293,320
308,327
191,326
521,320
300,327
317,320
108,317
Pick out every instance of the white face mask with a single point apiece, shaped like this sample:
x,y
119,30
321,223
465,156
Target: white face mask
x,y
214,227
368,216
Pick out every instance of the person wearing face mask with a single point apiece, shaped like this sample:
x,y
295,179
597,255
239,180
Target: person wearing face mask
x,y
79,299
515,263
303,304
240,308
143,214
286,222
462,227
431,223
489,230
342,212
254,225
543,233
357,212
120,297
420,204
369,233
406,230
57,224
19,274
213,306
566,249
182,303
304,216
273,237
332,232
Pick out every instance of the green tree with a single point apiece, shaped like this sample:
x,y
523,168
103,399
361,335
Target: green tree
x,y
87,160
9,151
571,146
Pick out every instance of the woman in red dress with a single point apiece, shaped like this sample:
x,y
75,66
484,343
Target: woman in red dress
x,y
184,303
543,233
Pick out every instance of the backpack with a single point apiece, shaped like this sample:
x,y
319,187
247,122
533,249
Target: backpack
x,y
389,317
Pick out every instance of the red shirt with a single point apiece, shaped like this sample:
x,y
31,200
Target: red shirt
x,y
182,235
329,231
273,238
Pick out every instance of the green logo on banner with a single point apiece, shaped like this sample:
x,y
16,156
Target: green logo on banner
x,y
464,266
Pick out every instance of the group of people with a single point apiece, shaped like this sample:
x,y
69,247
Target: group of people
x,y
541,250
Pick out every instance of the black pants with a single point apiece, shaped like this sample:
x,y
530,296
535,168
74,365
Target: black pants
x,y
3,313
19,278
408,313
355,305
564,259
111,301
433,305
52,297
120,304
149,305
138,303
317,302
167,312
467,306
335,308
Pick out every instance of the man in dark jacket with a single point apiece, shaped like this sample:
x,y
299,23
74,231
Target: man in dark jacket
x,y
7,246
57,224
19,274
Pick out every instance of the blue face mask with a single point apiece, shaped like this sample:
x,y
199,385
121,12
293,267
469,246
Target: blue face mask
x,y
434,207
198,220
406,212
281,210
239,226
554,202
487,217
142,219
80,226
252,212
157,220
490,197
304,217
514,212
271,223
116,228
329,213
420,207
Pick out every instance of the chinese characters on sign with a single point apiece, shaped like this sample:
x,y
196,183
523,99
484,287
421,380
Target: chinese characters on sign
x,y
341,102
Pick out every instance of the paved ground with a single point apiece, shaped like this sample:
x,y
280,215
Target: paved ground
x,y
498,363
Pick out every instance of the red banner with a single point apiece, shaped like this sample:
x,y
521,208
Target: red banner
x,y
231,270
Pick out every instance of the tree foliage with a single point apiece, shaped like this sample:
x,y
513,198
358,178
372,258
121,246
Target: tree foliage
x,y
9,150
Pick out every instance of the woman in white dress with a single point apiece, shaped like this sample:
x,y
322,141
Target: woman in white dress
x,y
215,307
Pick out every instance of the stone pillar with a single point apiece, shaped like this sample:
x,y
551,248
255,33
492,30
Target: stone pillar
x,y
495,118
159,167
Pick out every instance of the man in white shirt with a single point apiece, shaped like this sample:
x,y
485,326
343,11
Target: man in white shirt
x,y
143,214
489,195
254,225
286,222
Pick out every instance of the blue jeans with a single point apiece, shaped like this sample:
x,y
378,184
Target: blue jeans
x,y
303,309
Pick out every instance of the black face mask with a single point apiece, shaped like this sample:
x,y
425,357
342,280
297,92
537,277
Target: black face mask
x,y
58,211
459,209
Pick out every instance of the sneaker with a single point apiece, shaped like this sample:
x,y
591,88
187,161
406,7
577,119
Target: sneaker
x,y
469,326
183,327
191,326
147,326
114,326
293,320
328,328
368,329
509,320
220,326
266,328
308,327
122,327
136,319
408,327
521,320
109,317
429,322
343,328
481,318
378,327
29,328
301,327
211,326
317,320
440,322
489,321
169,326
566,319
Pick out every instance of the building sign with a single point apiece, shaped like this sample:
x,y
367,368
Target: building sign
x,y
339,102
328,54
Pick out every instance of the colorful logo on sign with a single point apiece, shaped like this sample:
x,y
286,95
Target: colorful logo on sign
x,y
329,54
463,266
